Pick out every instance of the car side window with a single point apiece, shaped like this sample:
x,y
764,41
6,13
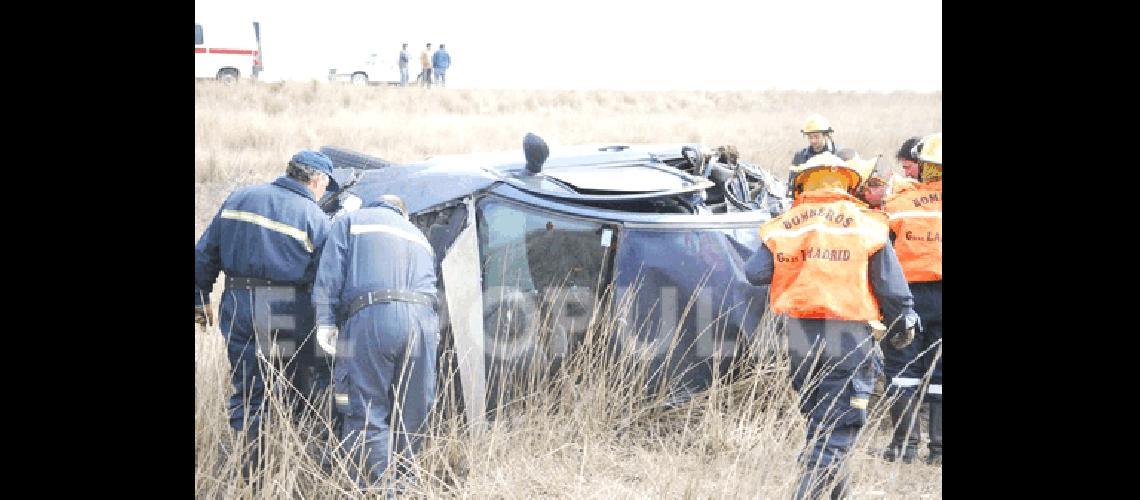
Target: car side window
x,y
540,274
197,34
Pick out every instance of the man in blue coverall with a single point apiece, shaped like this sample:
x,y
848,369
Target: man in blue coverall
x,y
375,298
267,239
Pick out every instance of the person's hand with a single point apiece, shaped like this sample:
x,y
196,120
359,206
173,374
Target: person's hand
x,y
878,329
203,316
326,338
901,340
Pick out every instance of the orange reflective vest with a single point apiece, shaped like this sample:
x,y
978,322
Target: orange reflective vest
x,y
916,219
820,253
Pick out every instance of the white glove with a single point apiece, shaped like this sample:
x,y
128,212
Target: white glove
x,y
349,203
326,338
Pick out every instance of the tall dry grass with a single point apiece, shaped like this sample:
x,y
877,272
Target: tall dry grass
x,y
245,134
588,431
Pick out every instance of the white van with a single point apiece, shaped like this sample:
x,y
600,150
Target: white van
x,y
227,51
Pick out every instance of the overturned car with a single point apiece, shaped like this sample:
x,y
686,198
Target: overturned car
x,y
550,237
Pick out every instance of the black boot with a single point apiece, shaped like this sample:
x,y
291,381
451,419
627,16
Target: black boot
x,y
902,414
935,457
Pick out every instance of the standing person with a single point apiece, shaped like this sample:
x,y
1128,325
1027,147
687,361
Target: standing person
x,y
904,372
916,223
832,270
404,65
267,239
425,66
376,286
440,61
818,131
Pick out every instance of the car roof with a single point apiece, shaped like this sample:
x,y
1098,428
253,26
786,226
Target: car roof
x,y
580,173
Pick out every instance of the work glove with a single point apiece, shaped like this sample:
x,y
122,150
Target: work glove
x,y
326,338
903,339
203,316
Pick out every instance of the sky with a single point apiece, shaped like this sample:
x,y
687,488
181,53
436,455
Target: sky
x,y
616,44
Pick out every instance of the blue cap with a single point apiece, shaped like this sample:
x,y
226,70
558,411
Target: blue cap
x,y
317,161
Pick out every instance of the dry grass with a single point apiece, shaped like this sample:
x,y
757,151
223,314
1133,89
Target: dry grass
x,y
587,433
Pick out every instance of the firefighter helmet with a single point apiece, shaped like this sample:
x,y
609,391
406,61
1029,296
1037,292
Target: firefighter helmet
x,y
930,148
817,123
929,153
824,170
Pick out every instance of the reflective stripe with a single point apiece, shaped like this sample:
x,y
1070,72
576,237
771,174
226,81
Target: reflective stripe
x,y
271,225
399,233
859,403
934,389
823,228
905,382
342,399
900,215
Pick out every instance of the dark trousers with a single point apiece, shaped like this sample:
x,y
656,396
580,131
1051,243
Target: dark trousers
x,y
278,321
385,379
834,366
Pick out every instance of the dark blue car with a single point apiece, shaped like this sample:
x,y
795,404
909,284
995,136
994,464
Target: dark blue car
x,y
644,243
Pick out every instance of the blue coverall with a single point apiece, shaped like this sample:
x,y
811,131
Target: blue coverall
x,y
384,373
271,232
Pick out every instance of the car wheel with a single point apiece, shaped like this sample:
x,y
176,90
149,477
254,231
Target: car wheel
x,y
228,76
343,158
359,79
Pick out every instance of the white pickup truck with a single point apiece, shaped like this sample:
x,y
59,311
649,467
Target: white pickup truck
x,y
372,70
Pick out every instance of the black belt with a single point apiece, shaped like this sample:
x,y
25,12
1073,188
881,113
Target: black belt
x,y
251,283
381,296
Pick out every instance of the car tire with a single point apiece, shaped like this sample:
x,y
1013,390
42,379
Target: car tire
x,y
359,79
228,76
344,158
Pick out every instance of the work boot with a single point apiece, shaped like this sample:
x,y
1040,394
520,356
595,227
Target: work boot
x,y
935,457
902,411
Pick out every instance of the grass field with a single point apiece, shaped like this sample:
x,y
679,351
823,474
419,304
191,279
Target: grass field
x,y
592,438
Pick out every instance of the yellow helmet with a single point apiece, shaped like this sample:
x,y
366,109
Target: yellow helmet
x,y
817,123
825,168
930,148
868,168
930,157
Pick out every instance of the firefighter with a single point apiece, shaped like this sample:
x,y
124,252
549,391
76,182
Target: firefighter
x,y
375,297
267,239
876,175
818,131
832,270
915,213
908,157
